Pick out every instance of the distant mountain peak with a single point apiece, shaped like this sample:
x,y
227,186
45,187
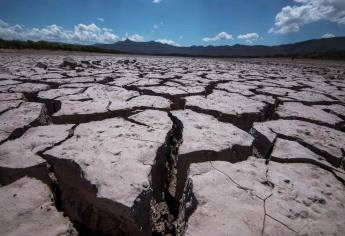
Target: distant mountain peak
x,y
315,46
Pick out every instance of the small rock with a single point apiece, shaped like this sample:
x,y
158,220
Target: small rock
x,y
69,62
42,65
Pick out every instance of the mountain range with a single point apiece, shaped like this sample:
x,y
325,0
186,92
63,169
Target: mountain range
x,y
315,46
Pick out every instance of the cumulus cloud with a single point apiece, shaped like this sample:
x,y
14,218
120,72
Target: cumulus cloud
x,y
81,33
327,35
220,36
291,18
249,37
156,1
3,23
136,38
168,41
100,19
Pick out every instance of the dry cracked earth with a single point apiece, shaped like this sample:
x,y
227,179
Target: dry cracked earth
x,y
136,145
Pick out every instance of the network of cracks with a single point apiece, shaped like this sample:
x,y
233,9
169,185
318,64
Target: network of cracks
x,y
139,145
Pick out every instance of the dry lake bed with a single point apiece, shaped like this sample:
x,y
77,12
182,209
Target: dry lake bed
x,y
141,145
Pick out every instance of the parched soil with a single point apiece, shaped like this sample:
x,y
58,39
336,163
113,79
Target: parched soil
x,y
143,145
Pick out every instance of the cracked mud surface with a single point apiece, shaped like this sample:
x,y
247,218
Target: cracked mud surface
x,y
139,145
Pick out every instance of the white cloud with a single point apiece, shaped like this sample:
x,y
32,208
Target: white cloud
x,y
220,36
92,33
107,29
327,35
291,18
168,41
157,26
156,1
3,23
100,19
249,37
136,38
82,33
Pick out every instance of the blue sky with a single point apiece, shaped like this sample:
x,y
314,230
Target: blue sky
x,y
179,22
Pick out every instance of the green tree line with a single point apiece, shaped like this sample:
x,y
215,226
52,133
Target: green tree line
x,y
45,45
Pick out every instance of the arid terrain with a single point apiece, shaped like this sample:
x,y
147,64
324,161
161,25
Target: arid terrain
x,y
143,145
